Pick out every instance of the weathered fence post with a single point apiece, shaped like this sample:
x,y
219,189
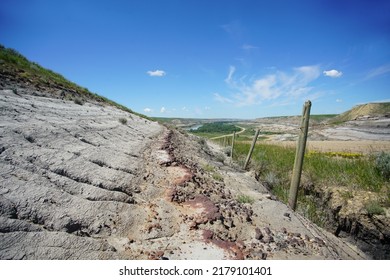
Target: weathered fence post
x,y
231,152
299,155
251,149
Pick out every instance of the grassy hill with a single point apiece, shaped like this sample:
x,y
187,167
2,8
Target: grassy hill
x,y
15,69
370,109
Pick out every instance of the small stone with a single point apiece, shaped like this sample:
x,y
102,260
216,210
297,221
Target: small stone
x,y
259,235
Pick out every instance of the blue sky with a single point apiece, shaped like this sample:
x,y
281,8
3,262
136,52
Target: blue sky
x,y
211,58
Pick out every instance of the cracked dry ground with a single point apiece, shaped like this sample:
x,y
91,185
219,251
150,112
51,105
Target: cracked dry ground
x,y
78,184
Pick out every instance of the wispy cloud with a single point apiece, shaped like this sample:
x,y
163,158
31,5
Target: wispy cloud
x,y
379,71
148,110
338,100
163,110
233,28
378,101
156,73
232,69
289,85
248,47
333,73
222,99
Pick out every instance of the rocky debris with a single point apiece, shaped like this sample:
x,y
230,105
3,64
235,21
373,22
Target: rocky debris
x,y
210,207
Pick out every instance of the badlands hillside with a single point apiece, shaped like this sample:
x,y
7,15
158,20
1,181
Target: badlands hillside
x,y
84,178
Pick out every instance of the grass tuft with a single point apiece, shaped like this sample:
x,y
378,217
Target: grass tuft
x,y
242,198
123,121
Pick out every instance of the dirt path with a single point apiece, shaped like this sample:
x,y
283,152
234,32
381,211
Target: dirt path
x,y
230,135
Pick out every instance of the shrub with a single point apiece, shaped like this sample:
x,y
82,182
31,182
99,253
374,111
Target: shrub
x,y
227,151
208,168
373,208
202,141
78,101
220,157
123,121
382,164
271,179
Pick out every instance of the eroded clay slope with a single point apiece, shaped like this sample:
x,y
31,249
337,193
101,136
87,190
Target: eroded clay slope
x,y
76,183
69,174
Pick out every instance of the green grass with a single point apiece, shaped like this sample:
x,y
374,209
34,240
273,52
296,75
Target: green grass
x,y
360,173
218,177
245,199
274,165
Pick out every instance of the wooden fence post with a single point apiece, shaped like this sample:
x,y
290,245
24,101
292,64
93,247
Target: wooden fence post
x,y
299,155
251,149
231,152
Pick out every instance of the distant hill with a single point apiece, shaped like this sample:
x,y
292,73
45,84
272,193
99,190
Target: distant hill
x,y
364,111
15,69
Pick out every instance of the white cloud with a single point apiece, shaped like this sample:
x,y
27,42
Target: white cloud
x,y
156,73
207,108
338,100
163,110
290,85
333,73
148,110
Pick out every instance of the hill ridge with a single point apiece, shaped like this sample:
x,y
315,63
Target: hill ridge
x,y
16,69
367,110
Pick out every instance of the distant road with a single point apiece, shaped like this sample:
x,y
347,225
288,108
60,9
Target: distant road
x,y
242,130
